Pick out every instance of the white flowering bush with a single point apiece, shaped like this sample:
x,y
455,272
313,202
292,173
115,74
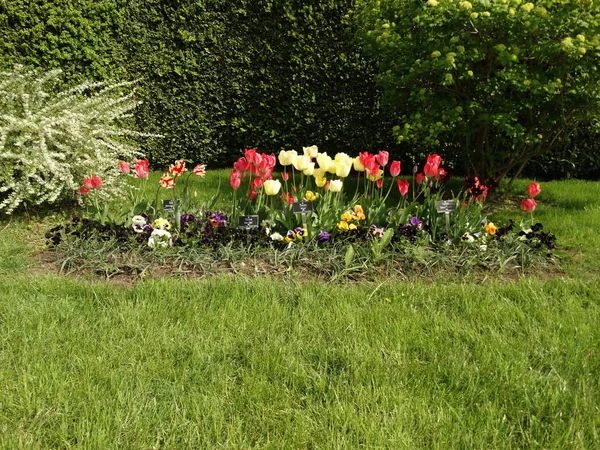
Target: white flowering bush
x,y
50,142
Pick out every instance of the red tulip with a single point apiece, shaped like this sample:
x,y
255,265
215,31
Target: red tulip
x,y
235,179
142,168
379,183
382,157
420,178
257,183
241,165
529,205
403,186
285,176
253,195
287,198
434,159
444,176
395,168
431,171
534,189
124,167
96,182
87,183
270,160
252,157
83,190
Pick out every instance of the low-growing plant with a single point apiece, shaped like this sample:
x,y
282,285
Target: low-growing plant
x,y
50,143
306,214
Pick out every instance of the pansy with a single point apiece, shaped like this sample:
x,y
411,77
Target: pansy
x,y
138,223
376,231
160,238
468,237
415,222
323,237
161,224
359,212
490,228
343,226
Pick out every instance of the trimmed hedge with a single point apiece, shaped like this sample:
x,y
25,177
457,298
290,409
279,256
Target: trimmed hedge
x,y
215,76
84,40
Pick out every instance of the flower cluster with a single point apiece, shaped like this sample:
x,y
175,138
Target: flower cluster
x,y
350,216
530,204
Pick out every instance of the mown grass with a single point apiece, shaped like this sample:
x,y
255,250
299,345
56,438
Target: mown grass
x,y
285,362
261,363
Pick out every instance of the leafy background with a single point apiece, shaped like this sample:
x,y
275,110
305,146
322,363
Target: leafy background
x,y
217,76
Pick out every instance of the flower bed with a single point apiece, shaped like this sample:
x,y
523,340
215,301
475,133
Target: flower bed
x,y
359,209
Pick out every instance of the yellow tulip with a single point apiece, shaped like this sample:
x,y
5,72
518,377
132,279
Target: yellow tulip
x,y
286,157
272,187
324,160
301,162
310,196
310,170
343,169
311,151
320,181
375,178
336,185
358,165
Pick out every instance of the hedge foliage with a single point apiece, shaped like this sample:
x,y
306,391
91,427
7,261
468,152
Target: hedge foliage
x,y
216,76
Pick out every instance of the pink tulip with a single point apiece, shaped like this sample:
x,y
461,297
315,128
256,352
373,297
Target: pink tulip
x,y
395,168
142,168
431,171
382,157
534,189
87,183
124,167
403,186
420,178
96,182
235,179
529,205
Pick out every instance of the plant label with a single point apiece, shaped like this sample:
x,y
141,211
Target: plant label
x,y
445,206
168,205
302,207
248,222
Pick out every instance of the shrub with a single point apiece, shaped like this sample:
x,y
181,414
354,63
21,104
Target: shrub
x,y
50,142
509,80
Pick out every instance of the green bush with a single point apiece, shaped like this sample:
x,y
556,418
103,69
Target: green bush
x,y
219,78
509,80
50,142
83,38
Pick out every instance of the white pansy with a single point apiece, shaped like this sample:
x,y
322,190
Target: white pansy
x,y
160,238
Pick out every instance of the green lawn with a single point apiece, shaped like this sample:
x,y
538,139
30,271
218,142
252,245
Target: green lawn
x,y
278,362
